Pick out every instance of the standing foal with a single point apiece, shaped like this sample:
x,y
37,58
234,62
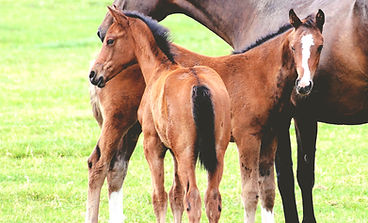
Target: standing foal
x,y
184,109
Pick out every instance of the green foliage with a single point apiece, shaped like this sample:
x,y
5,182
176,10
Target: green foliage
x,y
47,130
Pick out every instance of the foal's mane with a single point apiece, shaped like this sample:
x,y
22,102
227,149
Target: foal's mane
x,y
308,22
160,33
258,42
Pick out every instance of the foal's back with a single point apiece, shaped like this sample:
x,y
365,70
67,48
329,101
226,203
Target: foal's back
x,y
171,101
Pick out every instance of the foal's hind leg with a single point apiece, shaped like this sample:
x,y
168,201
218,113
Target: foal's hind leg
x,y
306,132
186,171
249,147
213,196
117,172
267,177
176,195
154,153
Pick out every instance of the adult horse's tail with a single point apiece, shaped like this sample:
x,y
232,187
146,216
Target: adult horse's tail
x,y
205,145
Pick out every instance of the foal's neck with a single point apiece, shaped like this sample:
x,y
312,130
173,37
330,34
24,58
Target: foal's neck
x,y
151,59
277,67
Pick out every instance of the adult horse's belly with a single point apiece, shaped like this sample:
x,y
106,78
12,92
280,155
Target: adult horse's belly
x,y
340,99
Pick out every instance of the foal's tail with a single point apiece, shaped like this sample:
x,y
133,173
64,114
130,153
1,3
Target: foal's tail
x,y
205,146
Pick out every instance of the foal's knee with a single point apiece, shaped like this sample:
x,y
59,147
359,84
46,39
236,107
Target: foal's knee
x,y
94,157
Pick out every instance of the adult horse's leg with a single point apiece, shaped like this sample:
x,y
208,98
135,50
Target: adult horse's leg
x,y
118,170
154,153
176,195
285,175
267,176
306,132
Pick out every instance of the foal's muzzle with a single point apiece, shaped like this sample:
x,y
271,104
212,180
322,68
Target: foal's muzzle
x,y
99,82
303,89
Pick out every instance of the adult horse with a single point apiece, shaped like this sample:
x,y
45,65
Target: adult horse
x,y
261,92
340,94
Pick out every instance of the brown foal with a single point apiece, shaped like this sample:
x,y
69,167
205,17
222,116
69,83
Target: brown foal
x,y
260,82
186,110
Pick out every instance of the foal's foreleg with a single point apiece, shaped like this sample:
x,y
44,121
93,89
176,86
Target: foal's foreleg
x,y
117,172
154,153
176,195
99,164
249,147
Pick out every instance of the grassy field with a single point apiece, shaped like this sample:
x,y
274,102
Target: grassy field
x,y
47,130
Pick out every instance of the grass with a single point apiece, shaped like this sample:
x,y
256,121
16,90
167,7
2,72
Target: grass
x,y
47,130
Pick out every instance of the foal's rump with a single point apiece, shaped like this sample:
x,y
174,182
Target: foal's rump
x,y
200,105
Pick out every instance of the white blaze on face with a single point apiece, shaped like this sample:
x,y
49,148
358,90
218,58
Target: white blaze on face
x,y
116,207
307,42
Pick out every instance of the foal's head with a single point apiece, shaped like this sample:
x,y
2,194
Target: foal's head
x,y
117,52
305,43
120,45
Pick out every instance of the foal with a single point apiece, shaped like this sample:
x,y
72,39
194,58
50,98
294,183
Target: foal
x,y
184,109
260,82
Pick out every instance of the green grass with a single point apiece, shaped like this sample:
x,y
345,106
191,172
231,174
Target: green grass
x,y
47,130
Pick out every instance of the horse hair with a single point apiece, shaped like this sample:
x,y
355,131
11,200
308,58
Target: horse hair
x,y
160,33
203,114
307,23
258,42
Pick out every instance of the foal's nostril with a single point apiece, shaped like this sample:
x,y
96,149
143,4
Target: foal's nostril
x,y
304,90
100,82
92,74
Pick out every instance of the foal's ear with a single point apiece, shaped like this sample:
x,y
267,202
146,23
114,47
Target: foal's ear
x,y
320,19
118,16
294,20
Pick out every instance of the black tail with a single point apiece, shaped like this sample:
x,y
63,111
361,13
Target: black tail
x,y
205,146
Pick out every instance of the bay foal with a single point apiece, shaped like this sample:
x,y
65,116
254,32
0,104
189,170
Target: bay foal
x,y
260,82
184,109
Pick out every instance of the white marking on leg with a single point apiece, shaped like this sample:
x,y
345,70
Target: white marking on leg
x,y
116,207
307,42
267,216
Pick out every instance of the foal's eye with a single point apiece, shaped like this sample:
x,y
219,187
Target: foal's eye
x,y
292,48
110,41
320,48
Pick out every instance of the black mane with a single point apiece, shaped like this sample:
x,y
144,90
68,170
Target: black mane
x,y
308,22
160,33
258,42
